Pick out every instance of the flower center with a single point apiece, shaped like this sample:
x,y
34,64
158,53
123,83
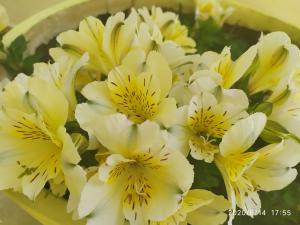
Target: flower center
x,y
27,129
211,120
237,165
137,191
136,98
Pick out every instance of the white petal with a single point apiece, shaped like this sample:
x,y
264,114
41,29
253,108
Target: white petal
x,y
182,116
134,60
101,202
211,213
209,58
204,80
99,94
166,114
243,134
116,133
74,175
143,132
181,93
178,138
236,97
272,170
13,96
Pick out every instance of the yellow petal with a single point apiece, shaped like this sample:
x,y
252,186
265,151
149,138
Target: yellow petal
x,y
277,58
54,112
158,66
118,36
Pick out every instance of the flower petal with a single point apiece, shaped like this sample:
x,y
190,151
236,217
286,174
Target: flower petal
x,y
118,36
272,170
158,66
211,212
108,128
241,136
166,112
98,93
101,202
54,112
178,138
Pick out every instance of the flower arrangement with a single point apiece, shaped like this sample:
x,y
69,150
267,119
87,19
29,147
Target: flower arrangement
x,y
120,120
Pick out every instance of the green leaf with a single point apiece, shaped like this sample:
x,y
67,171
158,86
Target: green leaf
x,y
207,175
88,159
73,127
27,64
17,49
265,107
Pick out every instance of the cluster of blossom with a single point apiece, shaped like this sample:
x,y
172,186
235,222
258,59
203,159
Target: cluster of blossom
x,y
146,101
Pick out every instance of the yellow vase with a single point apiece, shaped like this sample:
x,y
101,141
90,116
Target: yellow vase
x,y
260,15
46,209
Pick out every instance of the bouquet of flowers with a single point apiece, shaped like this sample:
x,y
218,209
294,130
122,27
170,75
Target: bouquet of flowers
x,y
126,116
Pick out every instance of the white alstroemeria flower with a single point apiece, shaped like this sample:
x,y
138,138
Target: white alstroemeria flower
x,y
199,207
4,19
140,180
201,80
34,145
206,119
138,89
206,9
62,74
106,45
246,172
277,60
170,27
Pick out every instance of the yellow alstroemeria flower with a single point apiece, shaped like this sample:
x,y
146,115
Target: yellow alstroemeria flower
x,y
199,207
270,65
34,145
139,181
62,74
4,19
206,119
231,71
138,89
206,9
170,27
106,45
151,39
277,60
246,172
